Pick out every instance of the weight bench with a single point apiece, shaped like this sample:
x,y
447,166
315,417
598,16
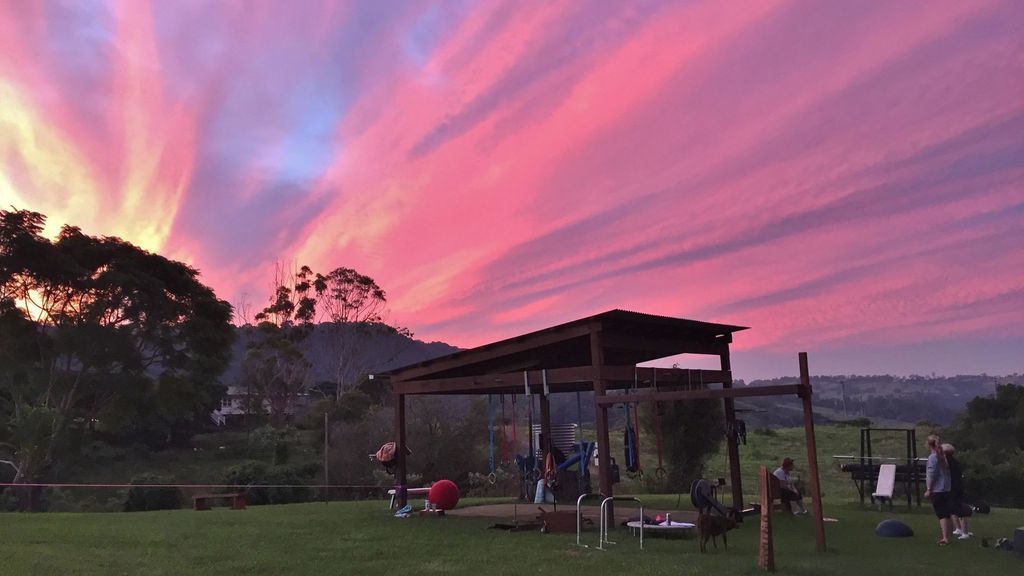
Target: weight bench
x,y
409,492
202,501
886,484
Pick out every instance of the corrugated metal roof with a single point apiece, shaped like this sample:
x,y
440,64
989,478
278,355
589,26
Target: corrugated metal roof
x,y
576,352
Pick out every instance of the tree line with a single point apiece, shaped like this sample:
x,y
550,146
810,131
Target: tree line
x,y
102,339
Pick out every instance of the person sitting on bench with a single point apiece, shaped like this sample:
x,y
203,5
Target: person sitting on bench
x,y
789,492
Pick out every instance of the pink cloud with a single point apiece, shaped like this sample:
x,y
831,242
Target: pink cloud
x,y
835,176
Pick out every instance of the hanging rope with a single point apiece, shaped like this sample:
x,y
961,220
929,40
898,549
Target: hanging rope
x,y
492,477
636,427
659,472
515,425
504,435
529,397
579,441
629,441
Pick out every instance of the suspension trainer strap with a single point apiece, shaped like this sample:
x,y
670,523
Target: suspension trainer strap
x,y
579,440
636,435
529,398
515,425
490,432
660,471
504,436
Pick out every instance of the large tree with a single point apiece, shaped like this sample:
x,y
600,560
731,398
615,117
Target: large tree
x,y
97,334
347,309
358,336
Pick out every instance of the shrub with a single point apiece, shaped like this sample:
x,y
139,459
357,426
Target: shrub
x,y
766,432
150,498
275,440
256,474
997,483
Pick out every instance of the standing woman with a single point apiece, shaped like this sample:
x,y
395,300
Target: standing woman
x,y
938,485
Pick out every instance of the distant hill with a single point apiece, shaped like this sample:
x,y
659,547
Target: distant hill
x,y
379,352
884,399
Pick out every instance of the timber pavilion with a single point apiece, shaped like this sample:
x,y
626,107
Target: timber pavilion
x,y
599,354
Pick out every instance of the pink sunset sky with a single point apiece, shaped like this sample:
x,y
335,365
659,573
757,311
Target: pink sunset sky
x,y
846,178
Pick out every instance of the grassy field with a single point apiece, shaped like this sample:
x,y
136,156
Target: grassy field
x,y
362,538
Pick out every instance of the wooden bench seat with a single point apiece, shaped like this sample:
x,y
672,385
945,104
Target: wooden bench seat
x,y
202,501
409,492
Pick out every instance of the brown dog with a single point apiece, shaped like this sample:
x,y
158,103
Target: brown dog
x,y
710,526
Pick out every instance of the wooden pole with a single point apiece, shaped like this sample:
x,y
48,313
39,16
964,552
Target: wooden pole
x,y
732,442
766,554
401,488
812,453
604,450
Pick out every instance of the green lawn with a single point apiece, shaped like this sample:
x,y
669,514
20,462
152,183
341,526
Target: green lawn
x,y
362,538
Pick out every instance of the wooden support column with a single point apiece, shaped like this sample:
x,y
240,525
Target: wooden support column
x,y
812,453
732,442
766,550
401,487
604,450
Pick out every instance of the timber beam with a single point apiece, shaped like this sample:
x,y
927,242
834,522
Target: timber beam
x,y
562,380
671,395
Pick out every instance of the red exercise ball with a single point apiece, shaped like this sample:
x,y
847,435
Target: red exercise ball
x,y
444,494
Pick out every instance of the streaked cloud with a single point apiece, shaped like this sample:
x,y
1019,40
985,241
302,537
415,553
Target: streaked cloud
x,y
844,178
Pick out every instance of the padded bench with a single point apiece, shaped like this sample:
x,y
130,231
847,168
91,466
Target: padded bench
x,y
409,492
202,501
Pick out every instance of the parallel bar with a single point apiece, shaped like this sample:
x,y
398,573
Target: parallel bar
x,y
812,453
670,395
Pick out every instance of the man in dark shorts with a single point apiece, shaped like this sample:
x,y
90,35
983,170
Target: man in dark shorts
x,y
958,506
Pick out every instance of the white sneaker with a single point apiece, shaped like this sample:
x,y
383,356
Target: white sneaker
x,y
957,532
963,536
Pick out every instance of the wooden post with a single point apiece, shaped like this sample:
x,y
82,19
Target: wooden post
x,y
604,450
766,555
732,442
327,440
401,488
812,453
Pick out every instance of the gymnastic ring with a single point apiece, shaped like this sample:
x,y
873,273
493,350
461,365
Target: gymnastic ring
x,y
659,472
492,478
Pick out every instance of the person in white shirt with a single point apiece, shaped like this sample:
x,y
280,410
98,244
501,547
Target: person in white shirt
x,y
790,493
